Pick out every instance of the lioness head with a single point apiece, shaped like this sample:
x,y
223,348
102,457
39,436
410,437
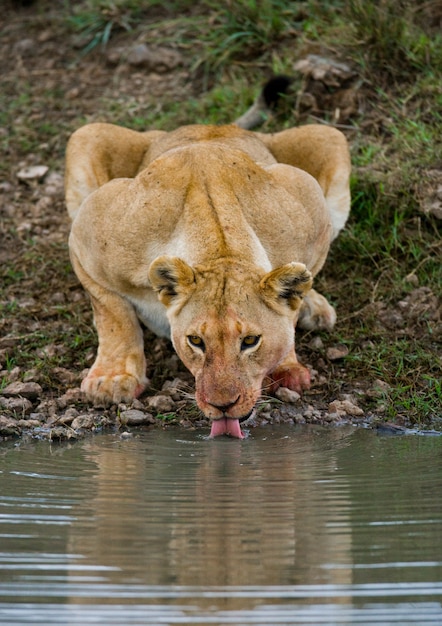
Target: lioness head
x,y
231,324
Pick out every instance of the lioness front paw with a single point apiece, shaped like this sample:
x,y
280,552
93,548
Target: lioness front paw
x,y
112,389
316,312
295,377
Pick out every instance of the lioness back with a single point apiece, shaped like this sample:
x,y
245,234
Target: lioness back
x,y
228,136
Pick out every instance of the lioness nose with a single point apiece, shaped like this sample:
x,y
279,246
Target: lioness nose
x,y
225,407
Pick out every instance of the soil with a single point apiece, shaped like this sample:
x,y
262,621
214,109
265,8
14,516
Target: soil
x,y
46,337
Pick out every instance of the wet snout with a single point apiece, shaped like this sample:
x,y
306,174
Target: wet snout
x,y
219,398
216,405
225,408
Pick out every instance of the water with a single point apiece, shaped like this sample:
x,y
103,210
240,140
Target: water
x,y
290,526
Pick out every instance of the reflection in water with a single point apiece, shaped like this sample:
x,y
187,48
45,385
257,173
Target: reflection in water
x,y
288,526
217,513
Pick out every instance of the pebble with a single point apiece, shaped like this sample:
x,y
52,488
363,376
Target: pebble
x,y
412,279
379,389
126,435
287,395
316,344
28,423
17,405
29,390
155,59
161,404
14,374
69,416
334,353
345,407
72,395
8,426
134,417
64,375
31,376
33,172
83,421
311,414
25,47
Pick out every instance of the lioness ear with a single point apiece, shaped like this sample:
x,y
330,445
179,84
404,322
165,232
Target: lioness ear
x,y
170,277
286,285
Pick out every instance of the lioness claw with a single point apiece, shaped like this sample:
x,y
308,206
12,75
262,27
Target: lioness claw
x,y
107,389
297,379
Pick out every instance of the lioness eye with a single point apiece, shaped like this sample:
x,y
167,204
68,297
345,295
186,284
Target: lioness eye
x,y
196,341
250,341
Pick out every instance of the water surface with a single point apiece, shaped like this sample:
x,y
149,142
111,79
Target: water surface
x,y
293,525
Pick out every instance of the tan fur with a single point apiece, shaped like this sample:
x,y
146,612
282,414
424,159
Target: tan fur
x,y
209,235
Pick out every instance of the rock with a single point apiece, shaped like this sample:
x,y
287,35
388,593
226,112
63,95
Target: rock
x,y
83,421
33,172
8,426
38,417
113,57
17,405
379,389
31,376
334,353
29,423
72,395
316,344
161,404
126,435
14,374
421,303
389,428
25,47
345,407
69,416
391,318
328,85
311,414
155,59
54,182
287,395
329,71
59,433
137,404
27,390
49,408
431,203
412,279
66,377
134,417
8,342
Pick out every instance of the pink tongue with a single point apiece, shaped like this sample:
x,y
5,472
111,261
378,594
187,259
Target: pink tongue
x,y
226,426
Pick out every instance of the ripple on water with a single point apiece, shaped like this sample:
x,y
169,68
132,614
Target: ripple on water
x,y
289,526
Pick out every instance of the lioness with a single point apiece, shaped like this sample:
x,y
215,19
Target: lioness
x,y
209,235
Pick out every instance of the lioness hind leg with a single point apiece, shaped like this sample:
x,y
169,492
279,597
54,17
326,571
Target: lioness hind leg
x,y
289,373
323,152
316,312
97,153
119,371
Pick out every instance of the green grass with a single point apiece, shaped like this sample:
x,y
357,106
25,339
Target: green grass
x,y
391,36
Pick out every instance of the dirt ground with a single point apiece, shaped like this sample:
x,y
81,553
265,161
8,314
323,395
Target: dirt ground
x,y
46,336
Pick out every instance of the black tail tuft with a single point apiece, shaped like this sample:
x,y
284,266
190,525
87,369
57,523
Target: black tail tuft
x,y
266,103
275,88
